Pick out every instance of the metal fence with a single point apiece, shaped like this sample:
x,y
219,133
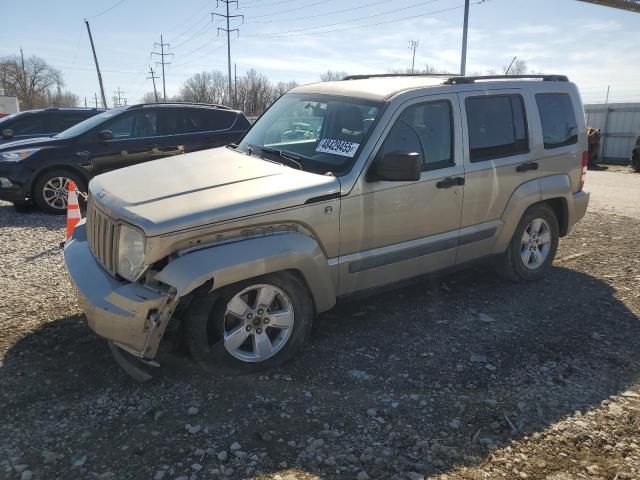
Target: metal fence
x,y
619,124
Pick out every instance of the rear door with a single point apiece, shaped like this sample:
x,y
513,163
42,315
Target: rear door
x,y
498,159
189,129
135,140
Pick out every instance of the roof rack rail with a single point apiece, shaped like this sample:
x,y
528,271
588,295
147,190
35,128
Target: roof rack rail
x,y
222,107
384,75
456,80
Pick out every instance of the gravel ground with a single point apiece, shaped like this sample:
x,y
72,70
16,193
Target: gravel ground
x,y
463,377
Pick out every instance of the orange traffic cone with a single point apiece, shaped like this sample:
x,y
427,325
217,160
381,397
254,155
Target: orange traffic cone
x,y
73,208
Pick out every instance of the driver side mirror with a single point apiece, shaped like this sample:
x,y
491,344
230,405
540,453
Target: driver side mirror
x,y
105,135
7,133
397,167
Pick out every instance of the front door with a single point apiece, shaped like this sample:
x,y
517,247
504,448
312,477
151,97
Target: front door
x,y
390,231
135,140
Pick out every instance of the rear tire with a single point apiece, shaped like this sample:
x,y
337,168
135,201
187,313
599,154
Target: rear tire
x,y
635,162
232,330
533,245
50,190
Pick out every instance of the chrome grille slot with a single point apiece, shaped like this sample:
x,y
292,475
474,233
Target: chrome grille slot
x,y
102,237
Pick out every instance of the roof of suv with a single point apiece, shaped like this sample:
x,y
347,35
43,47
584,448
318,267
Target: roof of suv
x,y
180,104
384,86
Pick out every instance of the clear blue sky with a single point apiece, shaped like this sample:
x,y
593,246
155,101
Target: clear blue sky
x,y
299,39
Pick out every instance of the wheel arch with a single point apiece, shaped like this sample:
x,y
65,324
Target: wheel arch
x,y
58,166
226,264
554,190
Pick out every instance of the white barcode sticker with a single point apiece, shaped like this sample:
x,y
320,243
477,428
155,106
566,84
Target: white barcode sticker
x,y
337,147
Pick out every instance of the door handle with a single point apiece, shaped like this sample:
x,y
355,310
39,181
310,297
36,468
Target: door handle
x,y
450,182
525,167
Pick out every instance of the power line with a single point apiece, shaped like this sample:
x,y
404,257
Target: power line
x,y
306,17
118,98
297,8
107,10
357,19
163,63
227,17
301,32
201,56
193,35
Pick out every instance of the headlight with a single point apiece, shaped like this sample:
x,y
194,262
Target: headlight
x,y
130,253
17,155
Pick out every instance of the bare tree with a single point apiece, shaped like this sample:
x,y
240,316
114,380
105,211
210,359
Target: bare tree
x,y
427,70
149,97
281,88
519,67
62,99
32,80
332,76
205,87
254,93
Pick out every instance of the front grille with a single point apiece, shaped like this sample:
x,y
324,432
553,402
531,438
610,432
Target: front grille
x,y
102,233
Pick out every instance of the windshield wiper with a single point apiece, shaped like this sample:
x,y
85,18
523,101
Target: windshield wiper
x,y
290,157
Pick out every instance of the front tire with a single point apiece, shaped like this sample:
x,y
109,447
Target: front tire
x,y
250,326
50,190
533,246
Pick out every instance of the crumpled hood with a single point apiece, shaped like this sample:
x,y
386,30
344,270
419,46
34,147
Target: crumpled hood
x,y
202,188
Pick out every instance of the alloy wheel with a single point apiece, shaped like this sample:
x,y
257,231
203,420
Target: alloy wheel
x,y
257,323
535,244
55,192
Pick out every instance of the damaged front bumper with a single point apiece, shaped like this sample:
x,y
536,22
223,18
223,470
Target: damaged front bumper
x,y
130,315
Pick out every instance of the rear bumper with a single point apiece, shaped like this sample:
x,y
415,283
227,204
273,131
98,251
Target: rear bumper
x,y
580,204
130,315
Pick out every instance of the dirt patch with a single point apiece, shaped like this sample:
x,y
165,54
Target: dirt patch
x,y
466,376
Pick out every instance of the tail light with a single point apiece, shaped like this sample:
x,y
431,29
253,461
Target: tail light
x,y
583,172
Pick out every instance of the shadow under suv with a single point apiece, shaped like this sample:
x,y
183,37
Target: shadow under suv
x,y
37,171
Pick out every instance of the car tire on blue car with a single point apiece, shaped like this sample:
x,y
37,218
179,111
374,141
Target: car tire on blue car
x,y
250,326
50,189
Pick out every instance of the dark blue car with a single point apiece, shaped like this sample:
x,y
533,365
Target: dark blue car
x,y
37,171
42,123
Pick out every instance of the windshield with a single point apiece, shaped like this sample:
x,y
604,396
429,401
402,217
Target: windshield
x,y
88,124
322,133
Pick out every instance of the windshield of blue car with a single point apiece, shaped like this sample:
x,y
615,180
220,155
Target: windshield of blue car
x,y
89,123
321,133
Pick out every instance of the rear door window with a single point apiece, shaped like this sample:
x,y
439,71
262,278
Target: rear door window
x,y
497,127
558,118
29,124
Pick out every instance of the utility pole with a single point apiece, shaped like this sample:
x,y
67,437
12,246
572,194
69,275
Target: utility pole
x,y
465,28
235,85
85,102
413,44
228,30
163,63
95,97
510,65
95,58
153,77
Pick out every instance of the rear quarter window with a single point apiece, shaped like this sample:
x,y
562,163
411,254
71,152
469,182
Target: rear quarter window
x,y
558,119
